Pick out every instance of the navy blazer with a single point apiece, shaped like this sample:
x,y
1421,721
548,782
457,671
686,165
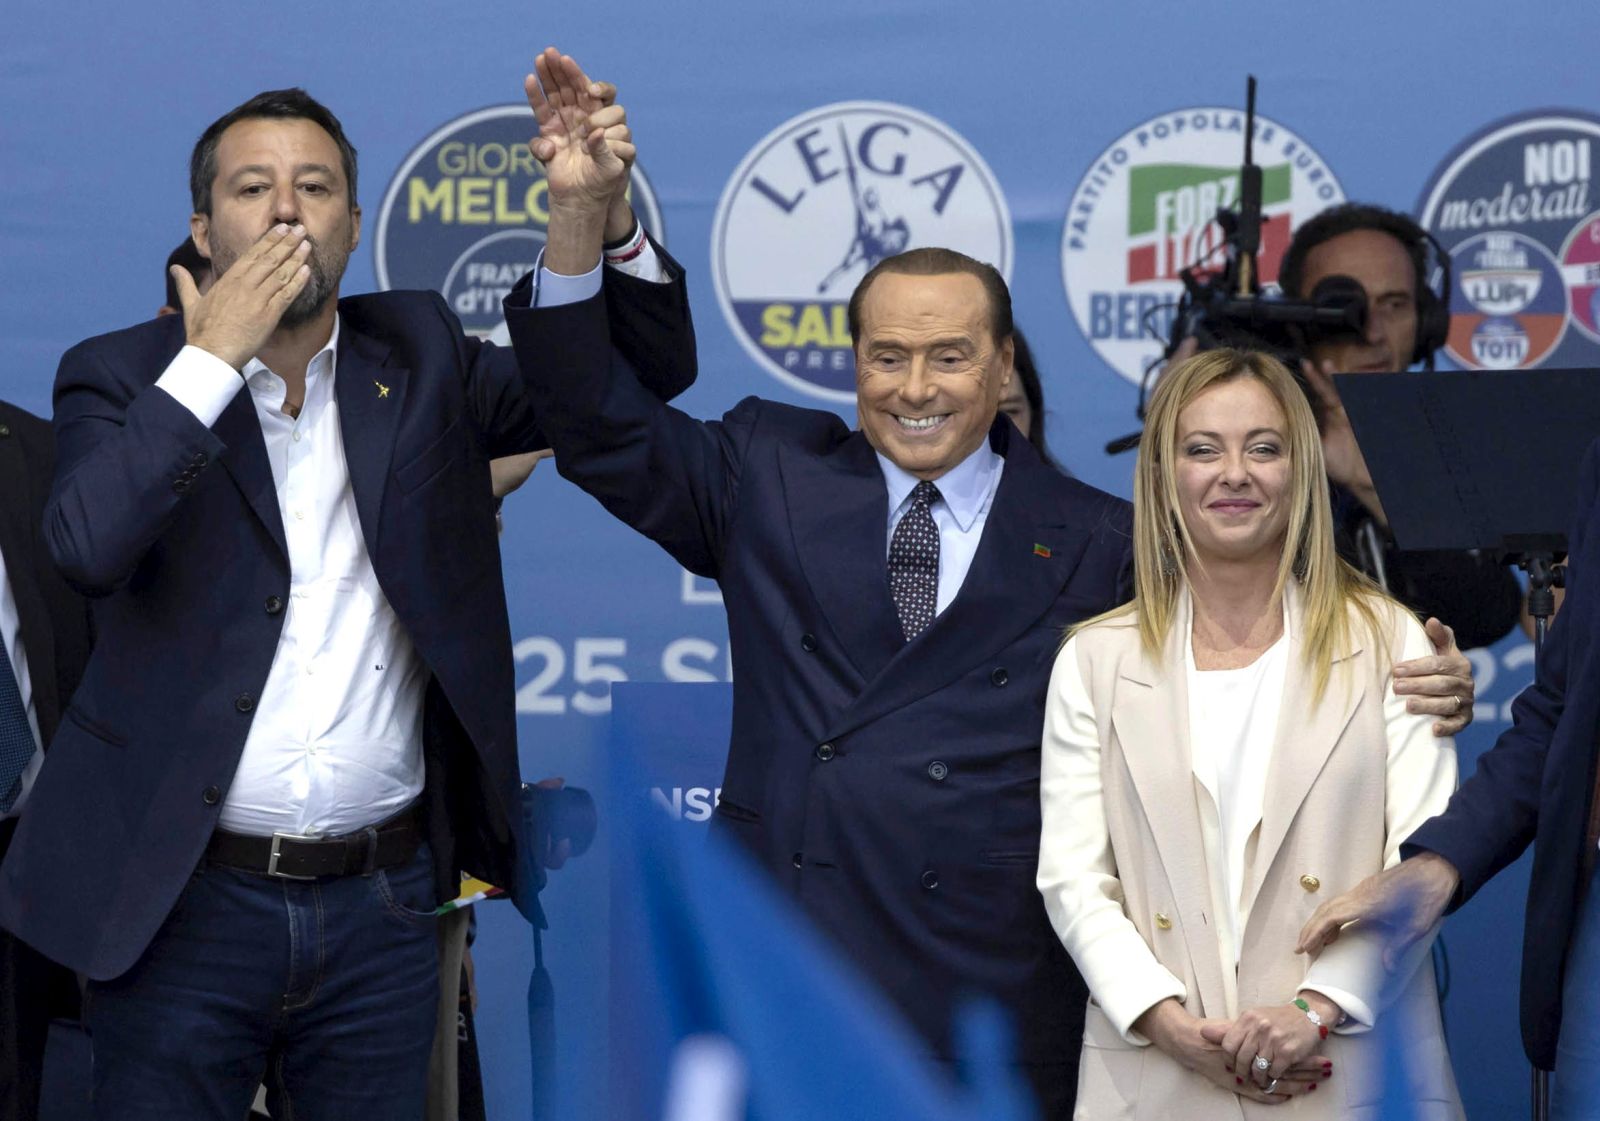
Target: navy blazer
x,y
177,527
1536,784
55,622
892,788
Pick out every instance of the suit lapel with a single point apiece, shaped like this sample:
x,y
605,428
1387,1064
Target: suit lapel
x,y
1305,736
839,513
20,545
1008,589
245,457
371,396
1151,721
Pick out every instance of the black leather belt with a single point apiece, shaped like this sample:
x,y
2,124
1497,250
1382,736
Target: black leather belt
x,y
292,856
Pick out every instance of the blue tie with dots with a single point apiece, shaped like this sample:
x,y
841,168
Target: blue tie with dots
x,y
16,735
914,562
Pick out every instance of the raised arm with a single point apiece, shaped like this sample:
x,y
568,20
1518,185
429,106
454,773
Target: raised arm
x,y
128,451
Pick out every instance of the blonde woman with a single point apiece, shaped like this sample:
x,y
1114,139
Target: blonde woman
x,y
1219,756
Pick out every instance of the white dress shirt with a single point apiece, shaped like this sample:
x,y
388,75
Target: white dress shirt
x,y
966,492
11,635
336,740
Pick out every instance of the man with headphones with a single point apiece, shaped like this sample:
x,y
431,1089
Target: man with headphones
x,y
1387,254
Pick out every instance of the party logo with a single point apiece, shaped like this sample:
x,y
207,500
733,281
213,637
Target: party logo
x,y
819,201
466,213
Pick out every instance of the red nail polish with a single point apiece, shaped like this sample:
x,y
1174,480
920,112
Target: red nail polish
x,y
1313,1086
1239,1081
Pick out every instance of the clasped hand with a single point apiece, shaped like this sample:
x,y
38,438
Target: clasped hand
x,y
1224,1051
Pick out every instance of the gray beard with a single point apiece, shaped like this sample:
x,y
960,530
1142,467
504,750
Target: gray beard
x,y
313,297
320,286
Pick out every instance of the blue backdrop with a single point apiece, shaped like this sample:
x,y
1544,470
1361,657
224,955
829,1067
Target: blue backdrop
x,y
1080,146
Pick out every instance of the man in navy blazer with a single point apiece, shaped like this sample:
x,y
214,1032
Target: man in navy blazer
x,y
297,728
890,784
45,635
1536,785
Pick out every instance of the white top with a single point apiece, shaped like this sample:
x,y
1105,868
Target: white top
x,y
1084,899
1233,719
966,492
11,635
335,743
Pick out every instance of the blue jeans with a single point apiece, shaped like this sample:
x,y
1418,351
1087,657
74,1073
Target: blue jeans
x,y
326,991
1575,1089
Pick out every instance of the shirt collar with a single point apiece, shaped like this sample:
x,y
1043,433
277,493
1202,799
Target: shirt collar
x,y
965,488
255,369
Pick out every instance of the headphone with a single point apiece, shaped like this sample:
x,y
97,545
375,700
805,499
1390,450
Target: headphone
x,y
1430,260
1433,304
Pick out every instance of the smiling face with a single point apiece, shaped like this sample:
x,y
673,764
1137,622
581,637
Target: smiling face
x,y
929,373
1380,263
1233,472
272,170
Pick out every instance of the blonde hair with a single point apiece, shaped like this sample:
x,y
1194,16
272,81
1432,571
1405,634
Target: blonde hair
x,y
1162,546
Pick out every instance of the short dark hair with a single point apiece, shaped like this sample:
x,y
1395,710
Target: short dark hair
x,y
289,104
1347,218
189,257
934,261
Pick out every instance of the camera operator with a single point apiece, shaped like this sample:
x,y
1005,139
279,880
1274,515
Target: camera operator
x,y
1386,253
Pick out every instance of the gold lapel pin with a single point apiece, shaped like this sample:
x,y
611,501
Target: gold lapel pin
x,y
383,390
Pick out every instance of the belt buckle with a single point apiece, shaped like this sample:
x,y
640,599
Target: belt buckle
x,y
272,858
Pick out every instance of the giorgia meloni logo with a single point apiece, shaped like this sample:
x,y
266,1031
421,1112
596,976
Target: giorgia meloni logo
x,y
466,213
819,201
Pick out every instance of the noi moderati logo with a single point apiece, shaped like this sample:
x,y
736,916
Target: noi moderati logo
x,y
819,201
466,212
1515,206
1146,208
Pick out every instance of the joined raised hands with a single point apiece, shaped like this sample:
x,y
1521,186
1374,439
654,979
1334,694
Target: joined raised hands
x,y
236,317
583,142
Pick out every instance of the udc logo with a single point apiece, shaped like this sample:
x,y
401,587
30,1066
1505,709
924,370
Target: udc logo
x,y
818,202
1514,206
1146,209
466,214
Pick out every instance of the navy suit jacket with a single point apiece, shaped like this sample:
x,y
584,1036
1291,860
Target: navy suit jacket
x,y
891,787
177,527
1536,785
56,631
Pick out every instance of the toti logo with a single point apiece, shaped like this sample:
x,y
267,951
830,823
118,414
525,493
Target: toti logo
x,y
818,202
1514,207
466,214
1146,209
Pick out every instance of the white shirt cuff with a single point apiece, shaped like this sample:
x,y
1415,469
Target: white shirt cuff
x,y
200,382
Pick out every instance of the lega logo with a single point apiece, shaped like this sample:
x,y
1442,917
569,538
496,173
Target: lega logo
x,y
1146,208
466,212
818,202
1515,207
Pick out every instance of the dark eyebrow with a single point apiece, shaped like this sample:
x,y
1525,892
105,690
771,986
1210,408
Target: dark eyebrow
x,y
263,169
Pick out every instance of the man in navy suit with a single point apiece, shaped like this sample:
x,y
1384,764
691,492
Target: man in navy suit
x,y
44,642
1536,785
895,596
297,728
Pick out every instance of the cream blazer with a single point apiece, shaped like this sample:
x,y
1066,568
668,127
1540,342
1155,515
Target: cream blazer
x,y
1131,838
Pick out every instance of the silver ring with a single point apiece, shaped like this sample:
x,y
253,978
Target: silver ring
x,y
1272,1087
1263,1063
